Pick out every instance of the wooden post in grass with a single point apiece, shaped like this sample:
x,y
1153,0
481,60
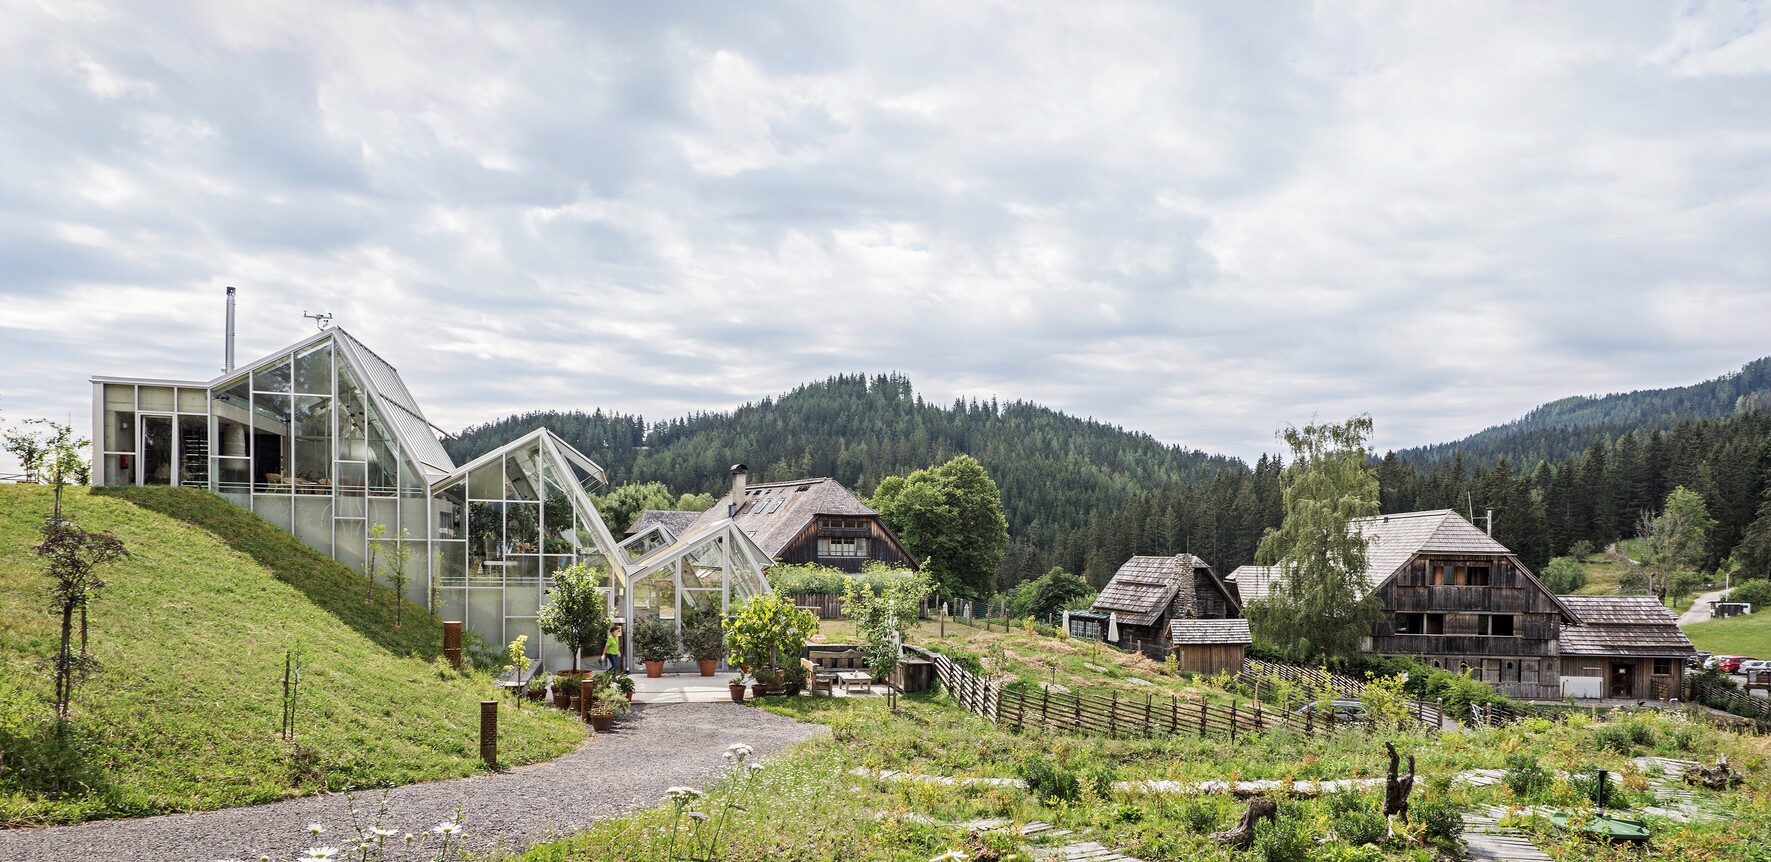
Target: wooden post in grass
x,y
452,642
489,733
1232,720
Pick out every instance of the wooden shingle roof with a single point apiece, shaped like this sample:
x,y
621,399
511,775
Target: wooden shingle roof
x,y
1255,582
1143,587
1629,626
1232,631
676,522
775,513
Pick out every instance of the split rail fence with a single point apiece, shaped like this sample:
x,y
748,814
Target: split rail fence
x,y
1260,675
1112,715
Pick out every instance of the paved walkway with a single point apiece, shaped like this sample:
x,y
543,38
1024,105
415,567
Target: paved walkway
x,y
1700,609
614,773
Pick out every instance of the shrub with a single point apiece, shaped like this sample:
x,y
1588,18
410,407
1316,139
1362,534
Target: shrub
x,y
1345,801
1623,736
702,638
1563,576
1361,826
767,633
655,639
1101,779
1049,781
1444,825
1756,592
1526,778
1198,815
1582,549
1286,838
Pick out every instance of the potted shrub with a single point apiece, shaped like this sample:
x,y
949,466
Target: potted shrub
x,y
767,633
737,688
576,613
793,678
567,688
702,637
537,687
558,684
656,642
624,683
606,701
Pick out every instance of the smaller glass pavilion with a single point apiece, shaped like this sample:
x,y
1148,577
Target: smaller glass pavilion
x,y
323,440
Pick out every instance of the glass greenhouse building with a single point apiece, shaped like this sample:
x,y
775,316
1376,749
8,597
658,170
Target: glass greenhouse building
x,y
323,440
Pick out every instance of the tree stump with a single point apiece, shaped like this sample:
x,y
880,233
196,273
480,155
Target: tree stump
x,y
1397,787
1722,776
1241,836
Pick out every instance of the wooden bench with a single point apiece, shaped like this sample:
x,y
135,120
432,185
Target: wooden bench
x,y
818,680
508,678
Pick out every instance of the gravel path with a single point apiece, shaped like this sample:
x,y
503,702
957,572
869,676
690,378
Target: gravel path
x,y
1700,609
650,750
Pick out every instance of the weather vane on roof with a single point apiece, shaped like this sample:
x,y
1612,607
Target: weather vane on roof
x,y
322,319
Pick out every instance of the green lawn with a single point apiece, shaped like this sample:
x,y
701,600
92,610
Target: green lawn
x,y
185,711
1749,635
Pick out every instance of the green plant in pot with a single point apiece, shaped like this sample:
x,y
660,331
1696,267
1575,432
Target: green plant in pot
x,y
793,678
656,642
624,684
567,687
703,636
557,684
577,612
768,633
537,687
736,684
606,701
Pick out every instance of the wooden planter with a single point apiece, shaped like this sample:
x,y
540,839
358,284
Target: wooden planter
x,y
761,690
654,669
708,665
737,689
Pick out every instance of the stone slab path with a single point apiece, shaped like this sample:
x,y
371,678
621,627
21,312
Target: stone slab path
x,y
614,773
1086,851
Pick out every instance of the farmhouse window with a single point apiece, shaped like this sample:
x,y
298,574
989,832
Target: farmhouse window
x,y
840,547
1663,667
1457,575
1497,625
1420,624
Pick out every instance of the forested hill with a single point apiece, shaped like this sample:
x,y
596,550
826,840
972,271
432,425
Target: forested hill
x,y
1563,429
1057,472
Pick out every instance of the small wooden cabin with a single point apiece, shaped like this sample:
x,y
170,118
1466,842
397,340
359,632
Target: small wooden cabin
x,y
1147,593
807,521
1626,648
1209,646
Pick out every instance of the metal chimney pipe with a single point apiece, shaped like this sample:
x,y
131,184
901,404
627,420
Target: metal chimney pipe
x,y
228,363
740,474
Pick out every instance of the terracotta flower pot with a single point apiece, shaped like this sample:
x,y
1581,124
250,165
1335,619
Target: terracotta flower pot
x,y
761,690
708,665
561,699
737,689
654,669
601,722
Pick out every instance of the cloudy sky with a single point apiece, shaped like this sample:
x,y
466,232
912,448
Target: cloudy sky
x,y
1203,221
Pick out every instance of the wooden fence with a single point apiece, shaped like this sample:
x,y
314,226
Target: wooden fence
x,y
1022,706
1260,675
1757,709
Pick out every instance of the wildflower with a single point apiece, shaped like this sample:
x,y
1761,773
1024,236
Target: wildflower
x,y
682,795
409,839
383,833
754,766
320,854
315,829
738,752
950,856
696,815
447,829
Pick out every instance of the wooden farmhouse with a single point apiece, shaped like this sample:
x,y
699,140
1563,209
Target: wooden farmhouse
x,y
806,521
1456,599
1209,646
1148,593
1628,647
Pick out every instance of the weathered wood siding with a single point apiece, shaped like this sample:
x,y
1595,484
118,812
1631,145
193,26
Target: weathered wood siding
x,y
880,545
1209,658
1523,664
1647,685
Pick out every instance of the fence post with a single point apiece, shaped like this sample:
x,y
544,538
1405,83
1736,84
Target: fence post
x,y
1174,713
1309,720
1149,728
1232,719
1113,716
1203,706
1440,704
489,732
1257,715
1077,703
1045,709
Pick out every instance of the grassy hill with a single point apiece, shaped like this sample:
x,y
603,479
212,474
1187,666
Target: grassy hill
x,y
1564,428
185,710
1748,635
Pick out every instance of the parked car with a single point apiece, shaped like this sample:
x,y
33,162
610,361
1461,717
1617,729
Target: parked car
x,y
1700,660
1343,710
1731,664
1753,664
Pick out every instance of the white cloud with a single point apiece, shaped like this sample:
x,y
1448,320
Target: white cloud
x,y
1198,221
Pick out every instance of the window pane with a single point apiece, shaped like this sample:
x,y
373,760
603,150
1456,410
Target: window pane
x,y
233,475
313,522
415,518
353,418
351,478
449,511
313,370
271,378
271,465
119,470
522,528
120,430
384,465
313,442
275,509
486,482
521,476
193,451
348,534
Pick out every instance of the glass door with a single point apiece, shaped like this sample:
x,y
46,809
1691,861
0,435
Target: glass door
x,y
156,450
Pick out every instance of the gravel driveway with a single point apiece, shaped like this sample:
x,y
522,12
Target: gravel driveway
x,y
652,749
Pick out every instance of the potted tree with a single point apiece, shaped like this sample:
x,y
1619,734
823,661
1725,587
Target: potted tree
x,y
702,637
577,612
656,642
768,632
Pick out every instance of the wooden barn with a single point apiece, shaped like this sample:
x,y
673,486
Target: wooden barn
x,y
1209,646
807,521
1148,593
1626,647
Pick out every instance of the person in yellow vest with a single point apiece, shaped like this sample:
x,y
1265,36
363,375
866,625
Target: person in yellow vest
x,y
612,649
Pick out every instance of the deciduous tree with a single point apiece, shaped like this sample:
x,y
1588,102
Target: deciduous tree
x,y
74,557
951,518
1325,609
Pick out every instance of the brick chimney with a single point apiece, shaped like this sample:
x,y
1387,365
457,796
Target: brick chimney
x,y
740,476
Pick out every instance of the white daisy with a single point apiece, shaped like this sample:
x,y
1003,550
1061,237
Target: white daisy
x,y
447,828
320,854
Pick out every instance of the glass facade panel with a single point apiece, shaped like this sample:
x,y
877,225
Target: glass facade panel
x,y
274,509
522,528
413,518
193,450
452,604
486,482
385,513
120,422
313,444
271,464
485,614
353,418
451,563
449,508
384,462
233,475
119,470
313,522
273,377
522,601
156,450
351,544
352,477
193,401
313,370
351,505
522,476
418,573
513,628
156,398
